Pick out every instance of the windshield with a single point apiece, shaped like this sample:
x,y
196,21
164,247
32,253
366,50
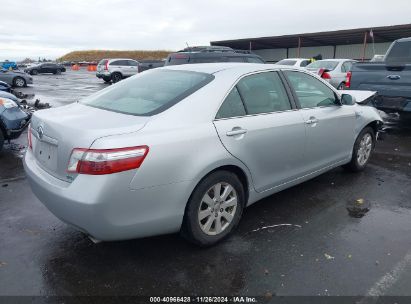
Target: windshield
x,y
323,64
287,62
148,93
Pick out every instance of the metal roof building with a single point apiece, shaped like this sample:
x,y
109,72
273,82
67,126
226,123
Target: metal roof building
x,y
361,43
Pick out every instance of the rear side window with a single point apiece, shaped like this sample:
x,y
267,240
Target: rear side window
x,y
287,62
120,62
310,91
232,106
263,93
304,63
148,93
235,59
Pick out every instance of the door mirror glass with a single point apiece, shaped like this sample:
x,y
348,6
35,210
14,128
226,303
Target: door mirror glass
x,y
347,99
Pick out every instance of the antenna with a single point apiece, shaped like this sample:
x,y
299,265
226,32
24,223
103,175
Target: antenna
x,y
188,46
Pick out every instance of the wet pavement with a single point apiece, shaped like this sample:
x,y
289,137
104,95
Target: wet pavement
x,y
324,251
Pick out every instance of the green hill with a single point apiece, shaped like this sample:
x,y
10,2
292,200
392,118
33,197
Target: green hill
x,y
97,55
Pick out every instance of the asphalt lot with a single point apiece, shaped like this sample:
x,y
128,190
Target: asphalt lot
x,y
323,252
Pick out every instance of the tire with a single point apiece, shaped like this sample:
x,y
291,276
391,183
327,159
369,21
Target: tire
x,y
19,82
107,79
1,140
116,77
218,221
34,72
341,86
58,72
363,147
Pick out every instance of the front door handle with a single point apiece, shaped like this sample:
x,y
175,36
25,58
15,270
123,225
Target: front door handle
x,y
236,131
394,77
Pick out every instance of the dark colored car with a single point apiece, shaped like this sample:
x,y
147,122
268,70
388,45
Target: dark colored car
x,y
145,65
209,54
13,120
42,68
391,78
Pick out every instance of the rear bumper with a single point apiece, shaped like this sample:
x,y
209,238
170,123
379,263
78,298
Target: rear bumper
x,y
105,207
103,74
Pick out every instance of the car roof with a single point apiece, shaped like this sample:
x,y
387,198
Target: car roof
x,y
212,68
338,60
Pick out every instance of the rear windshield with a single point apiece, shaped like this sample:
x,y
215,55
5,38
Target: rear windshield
x,y
287,62
323,64
148,93
400,52
103,62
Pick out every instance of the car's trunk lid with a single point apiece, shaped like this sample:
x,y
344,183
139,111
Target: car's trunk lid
x,y
56,132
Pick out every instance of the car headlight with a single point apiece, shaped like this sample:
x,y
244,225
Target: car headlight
x,y
7,103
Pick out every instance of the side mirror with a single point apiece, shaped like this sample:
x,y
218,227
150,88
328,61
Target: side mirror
x,y
348,100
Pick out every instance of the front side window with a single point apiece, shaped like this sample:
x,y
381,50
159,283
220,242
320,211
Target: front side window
x,y
254,60
132,63
263,93
310,91
148,93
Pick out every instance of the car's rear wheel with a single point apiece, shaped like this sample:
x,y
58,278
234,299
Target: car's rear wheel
x,y
363,147
34,72
214,209
107,79
116,77
19,82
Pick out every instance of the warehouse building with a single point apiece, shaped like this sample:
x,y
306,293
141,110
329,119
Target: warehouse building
x,y
360,44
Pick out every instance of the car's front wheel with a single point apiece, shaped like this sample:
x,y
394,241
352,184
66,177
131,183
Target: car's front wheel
x,y
58,72
19,82
363,147
214,209
34,72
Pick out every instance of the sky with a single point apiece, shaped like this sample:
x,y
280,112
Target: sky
x,y
52,28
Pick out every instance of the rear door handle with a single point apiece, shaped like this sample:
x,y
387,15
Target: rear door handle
x,y
236,131
312,121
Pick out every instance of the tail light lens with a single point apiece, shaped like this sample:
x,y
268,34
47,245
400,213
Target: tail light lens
x,y
326,75
29,137
106,161
106,66
348,80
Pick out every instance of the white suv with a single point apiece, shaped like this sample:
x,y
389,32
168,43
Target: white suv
x,y
116,69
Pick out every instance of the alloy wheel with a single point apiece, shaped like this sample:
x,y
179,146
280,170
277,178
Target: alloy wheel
x,y
364,149
217,208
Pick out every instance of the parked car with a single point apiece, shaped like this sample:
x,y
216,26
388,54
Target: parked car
x,y
186,148
378,58
5,87
334,71
15,78
297,62
391,78
116,69
13,120
209,54
47,67
8,65
8,95
145,65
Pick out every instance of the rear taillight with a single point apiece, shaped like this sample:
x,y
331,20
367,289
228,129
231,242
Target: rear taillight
x,y
106,161
326,75
348,80
29,137
106,66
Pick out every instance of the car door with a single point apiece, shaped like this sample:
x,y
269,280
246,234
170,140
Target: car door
x,y
132,67
329,124
258,125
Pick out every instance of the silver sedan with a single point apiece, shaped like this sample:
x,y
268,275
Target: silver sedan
x,y
15,78
332,70
186,148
